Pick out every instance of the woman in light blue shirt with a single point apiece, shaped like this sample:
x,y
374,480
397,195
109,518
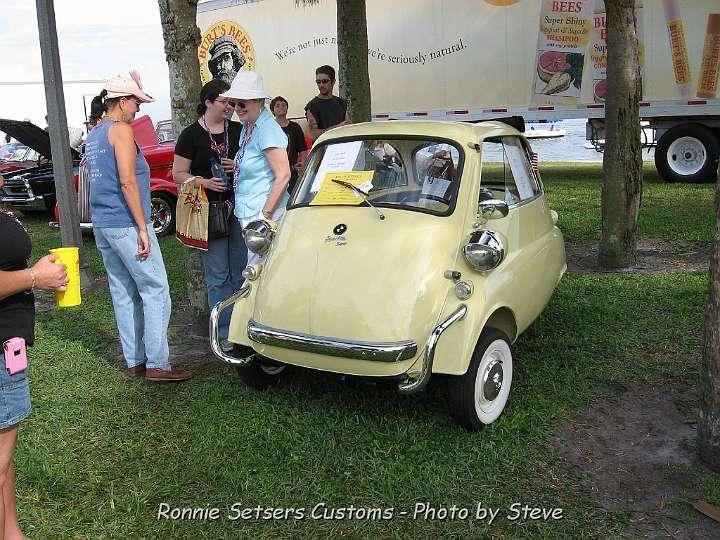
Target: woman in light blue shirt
x,y
262,170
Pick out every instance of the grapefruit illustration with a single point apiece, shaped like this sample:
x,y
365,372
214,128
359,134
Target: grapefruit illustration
x,y
551,62
600,89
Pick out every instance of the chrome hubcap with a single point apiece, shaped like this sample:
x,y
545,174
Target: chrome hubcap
x,y
492,380
161,215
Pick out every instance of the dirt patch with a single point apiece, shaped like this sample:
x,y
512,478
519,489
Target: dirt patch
x,y
654,256
632,449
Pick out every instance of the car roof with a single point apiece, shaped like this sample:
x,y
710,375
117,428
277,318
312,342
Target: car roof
x,y
462,132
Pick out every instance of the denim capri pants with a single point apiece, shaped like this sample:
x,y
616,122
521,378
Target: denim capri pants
x,y
14,395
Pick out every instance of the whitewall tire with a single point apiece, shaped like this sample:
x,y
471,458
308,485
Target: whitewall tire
x,y
478,397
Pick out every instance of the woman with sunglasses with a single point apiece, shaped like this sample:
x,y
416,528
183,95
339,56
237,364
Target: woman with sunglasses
x,y
120,205
214,137
262,170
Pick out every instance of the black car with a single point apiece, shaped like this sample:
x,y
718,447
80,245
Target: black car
x,y
32,188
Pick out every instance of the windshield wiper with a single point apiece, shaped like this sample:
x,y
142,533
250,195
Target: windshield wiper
x,y
356,189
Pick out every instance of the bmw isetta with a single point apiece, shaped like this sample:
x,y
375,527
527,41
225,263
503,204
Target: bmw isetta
x,y
408,249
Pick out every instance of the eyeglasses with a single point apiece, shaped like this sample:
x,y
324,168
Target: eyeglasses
x,y
136,101
322,81
241,104
222,101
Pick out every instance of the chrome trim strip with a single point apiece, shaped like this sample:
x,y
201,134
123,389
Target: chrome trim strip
x,y
214,328
412,386
346,348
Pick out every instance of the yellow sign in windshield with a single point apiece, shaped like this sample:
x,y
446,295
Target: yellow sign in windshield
x,y
332,192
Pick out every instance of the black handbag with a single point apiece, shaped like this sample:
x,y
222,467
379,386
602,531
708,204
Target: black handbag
x,y
219,219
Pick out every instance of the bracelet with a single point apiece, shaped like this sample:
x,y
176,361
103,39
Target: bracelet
x,y
32,284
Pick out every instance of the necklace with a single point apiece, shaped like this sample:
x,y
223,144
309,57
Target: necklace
x,y
221,149
12,216
241,153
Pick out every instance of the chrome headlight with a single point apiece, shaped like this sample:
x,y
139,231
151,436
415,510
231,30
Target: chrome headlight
x,y
258,236
484,251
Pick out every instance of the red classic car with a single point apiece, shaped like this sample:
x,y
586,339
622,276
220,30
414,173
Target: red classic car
x,y
159,156
15,156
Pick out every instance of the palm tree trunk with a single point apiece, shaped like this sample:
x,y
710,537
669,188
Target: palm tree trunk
x,y
622,160
353,57
182,38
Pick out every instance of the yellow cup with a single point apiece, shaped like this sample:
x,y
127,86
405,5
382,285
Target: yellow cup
x,y
70,257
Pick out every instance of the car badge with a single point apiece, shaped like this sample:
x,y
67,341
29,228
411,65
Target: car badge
x,y
338,237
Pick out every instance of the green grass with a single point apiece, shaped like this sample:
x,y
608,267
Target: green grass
x,y
101,451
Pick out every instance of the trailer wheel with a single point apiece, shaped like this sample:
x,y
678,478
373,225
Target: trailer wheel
x,y
687,153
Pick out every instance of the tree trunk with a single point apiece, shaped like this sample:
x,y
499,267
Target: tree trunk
x,y
353,58
182,38
709,421
622,160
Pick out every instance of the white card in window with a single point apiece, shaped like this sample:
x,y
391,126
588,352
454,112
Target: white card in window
x,y
435,187
519,167
338,157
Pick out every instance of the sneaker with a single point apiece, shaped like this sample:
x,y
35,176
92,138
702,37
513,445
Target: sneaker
x,y
167,375
136,370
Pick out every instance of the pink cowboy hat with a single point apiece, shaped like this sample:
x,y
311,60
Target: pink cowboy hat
x,y
122,85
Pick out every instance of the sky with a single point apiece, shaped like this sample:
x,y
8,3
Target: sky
x,y
97,40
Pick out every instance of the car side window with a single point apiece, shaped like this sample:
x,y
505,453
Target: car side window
x,y
506,172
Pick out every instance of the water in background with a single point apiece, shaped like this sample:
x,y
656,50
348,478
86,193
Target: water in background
x,y
571,147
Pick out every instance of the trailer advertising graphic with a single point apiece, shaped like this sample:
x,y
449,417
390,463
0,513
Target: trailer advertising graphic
x,y
465,54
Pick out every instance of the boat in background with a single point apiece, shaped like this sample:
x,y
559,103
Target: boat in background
x,y
543,130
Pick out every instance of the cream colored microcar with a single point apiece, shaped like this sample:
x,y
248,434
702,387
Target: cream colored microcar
x,y
408,249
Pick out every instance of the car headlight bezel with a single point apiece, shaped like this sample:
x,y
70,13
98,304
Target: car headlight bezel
x,y
258,236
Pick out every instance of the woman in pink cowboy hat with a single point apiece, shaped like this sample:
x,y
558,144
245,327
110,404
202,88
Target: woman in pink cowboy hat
x,y
120,204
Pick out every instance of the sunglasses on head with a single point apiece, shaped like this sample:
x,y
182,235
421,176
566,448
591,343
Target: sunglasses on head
x,y
322,81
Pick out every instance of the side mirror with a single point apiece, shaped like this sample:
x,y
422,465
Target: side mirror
x,y
484,250
493,209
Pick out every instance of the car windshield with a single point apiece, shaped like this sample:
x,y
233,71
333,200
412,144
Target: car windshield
x,y
409,173
13,152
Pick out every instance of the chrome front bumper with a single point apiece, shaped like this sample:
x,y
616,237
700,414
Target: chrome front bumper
x,y
357,350
396,351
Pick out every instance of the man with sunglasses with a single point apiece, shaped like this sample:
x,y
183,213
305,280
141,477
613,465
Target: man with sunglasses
x,y
325,111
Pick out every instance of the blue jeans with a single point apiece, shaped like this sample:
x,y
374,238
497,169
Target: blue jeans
x,y
14,395
140,296
223,264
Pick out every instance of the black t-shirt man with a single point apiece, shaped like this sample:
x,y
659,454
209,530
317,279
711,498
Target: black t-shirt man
x,y
328,112
194,144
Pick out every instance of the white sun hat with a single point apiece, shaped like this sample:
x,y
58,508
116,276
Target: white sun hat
x,y
247,85
122,85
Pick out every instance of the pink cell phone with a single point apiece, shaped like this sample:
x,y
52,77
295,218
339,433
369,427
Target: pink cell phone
x,y
15,355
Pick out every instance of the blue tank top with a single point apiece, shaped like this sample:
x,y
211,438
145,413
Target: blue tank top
x,y
107,202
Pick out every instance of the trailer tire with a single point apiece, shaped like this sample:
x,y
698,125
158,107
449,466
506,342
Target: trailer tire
x,y
687,153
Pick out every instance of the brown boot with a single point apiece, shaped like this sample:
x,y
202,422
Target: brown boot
x,y
137,370
167,375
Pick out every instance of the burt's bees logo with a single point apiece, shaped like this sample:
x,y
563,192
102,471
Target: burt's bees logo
x,y
225,49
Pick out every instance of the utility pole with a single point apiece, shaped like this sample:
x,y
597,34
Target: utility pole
x,y
57,123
